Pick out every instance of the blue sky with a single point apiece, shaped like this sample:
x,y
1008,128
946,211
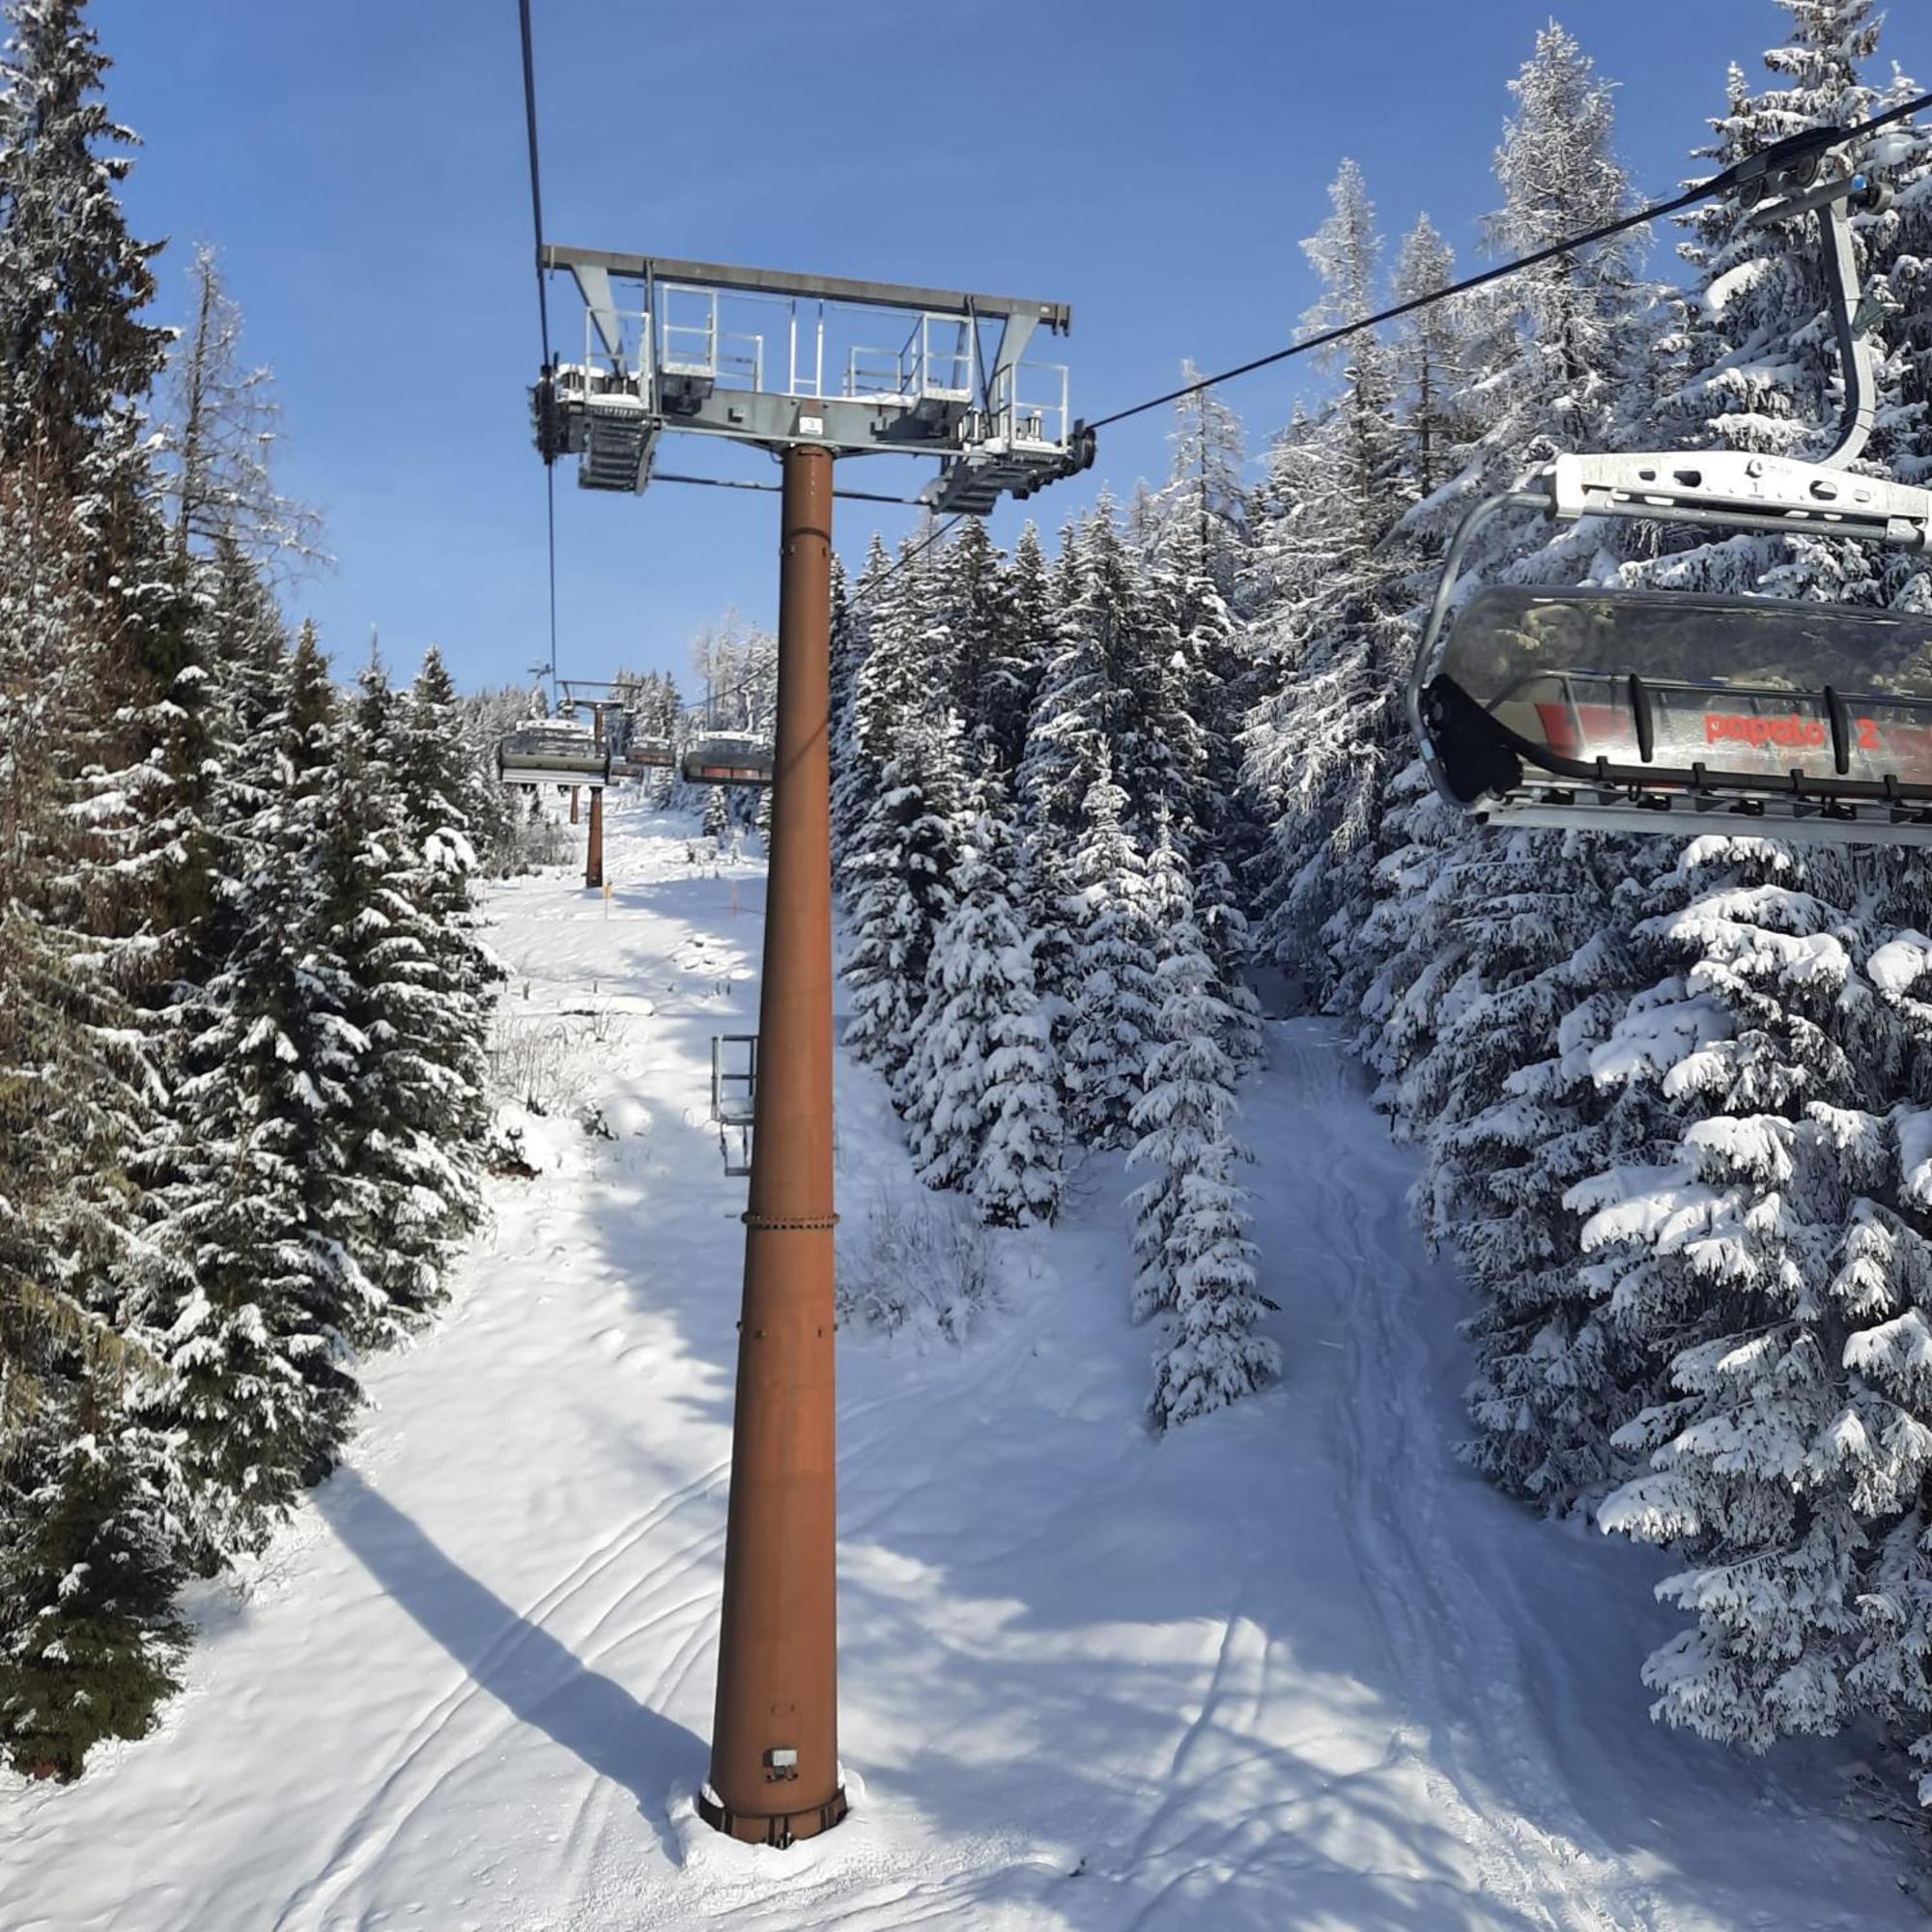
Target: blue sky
x,y
361,165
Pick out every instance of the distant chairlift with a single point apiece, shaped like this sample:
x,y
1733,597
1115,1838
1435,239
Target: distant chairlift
x,y
552,750
639,756
1675,713
729,759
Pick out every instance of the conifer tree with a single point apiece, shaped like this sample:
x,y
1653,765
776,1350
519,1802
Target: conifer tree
x,y
74,348
1026,643
437,787
855,754
1112,991
1317,745
898,870
1430,357
221,424
96,700
1189,1231
1206,494
89,1636
981,1097
257,1341
416,1115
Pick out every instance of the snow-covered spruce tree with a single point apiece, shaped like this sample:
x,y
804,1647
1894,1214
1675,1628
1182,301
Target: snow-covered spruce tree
x,y
970,587
258,1165
1479,948
1557,1372
855,761
1559,362
500,818
1116,945
1114,701
1774,1326
96,700
1017,1182
1110,685
1565,360
1060,762
717,816
1027,642
1430,353
73,1099
1891,1676
72,281
77,360
89,1636
1189,1229
898,869
418,1081
937,807
980,1098
85,1652
1209,687
1205,487
1318,744
1749,1263
439,786
1890,1356
1186,1085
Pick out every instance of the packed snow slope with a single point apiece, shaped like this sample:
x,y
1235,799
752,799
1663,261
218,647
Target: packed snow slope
x,y
1287,1667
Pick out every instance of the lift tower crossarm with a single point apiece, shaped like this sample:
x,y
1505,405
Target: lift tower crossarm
x,y
1058,315
744,355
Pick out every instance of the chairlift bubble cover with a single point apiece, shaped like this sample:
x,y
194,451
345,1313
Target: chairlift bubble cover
x,y
552,750
1813,707
641,755
730,758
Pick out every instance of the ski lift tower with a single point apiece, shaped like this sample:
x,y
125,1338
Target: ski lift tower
x,y
812,369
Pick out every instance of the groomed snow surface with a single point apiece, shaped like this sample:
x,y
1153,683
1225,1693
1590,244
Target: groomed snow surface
x,y
1289,1668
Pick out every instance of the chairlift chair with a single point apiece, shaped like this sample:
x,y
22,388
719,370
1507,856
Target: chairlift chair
x,y
639,756
1665,712
552,750
729,759
734,1097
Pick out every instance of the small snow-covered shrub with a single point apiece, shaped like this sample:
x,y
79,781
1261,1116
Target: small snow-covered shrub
x,y
530,1062
507,1151
918,1264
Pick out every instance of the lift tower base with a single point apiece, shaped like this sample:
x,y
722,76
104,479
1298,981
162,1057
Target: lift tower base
x,y
774,1740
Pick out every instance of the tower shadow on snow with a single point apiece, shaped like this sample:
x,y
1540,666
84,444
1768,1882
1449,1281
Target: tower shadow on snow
x,y
528,1671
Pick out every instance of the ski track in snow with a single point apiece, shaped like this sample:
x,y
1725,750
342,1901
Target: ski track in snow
x,y
1291,1668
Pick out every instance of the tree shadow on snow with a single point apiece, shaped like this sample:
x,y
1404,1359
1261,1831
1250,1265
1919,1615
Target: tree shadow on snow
x,y
533,1676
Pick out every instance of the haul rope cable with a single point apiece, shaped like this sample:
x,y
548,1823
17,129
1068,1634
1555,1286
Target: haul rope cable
x,y
1820,139
543,306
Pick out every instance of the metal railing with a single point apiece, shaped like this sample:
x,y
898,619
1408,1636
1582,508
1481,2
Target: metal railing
x,y
1030,406
920,369
634,339
701,349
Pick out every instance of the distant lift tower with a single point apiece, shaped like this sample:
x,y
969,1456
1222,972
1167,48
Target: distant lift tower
x,y
792,364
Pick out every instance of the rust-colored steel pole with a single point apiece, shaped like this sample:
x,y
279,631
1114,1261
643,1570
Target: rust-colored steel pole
x,y
775,1742
593,851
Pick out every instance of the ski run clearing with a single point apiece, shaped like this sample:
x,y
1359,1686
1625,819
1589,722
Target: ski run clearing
x,y
1290,1667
